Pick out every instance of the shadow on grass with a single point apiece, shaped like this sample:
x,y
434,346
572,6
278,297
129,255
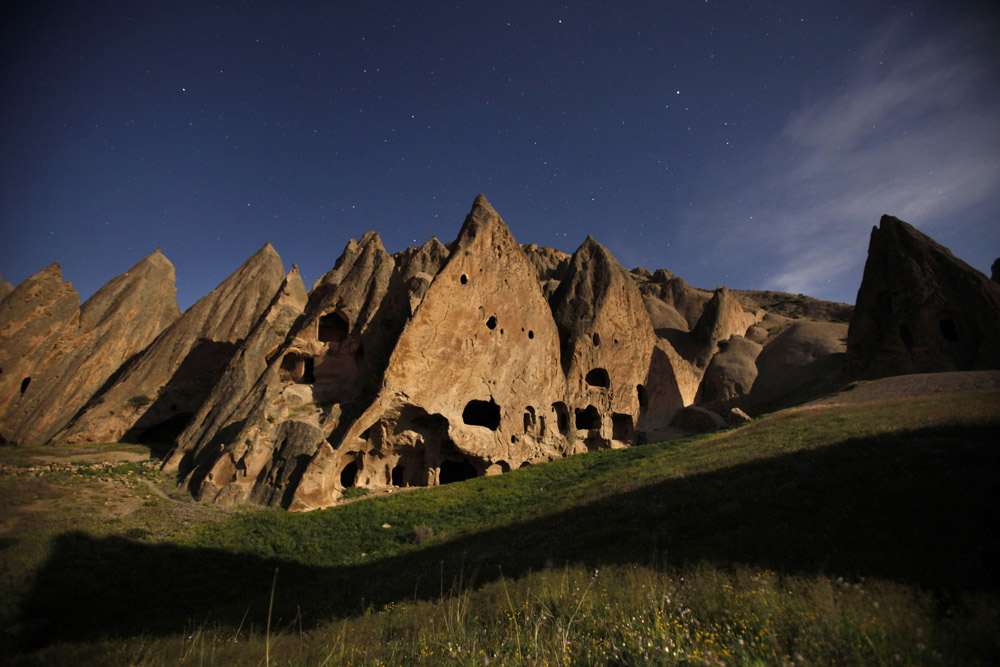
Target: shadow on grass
x,y
919,507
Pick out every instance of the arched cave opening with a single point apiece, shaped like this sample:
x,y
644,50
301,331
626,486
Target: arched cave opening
x,y
398,473
562,416
643,397
948,329
333,328
588,419
464,279
349,475
24,385
621,427
482,413
529,418
297,368
598,377
167,430
531,334
597,339
456,471
906,336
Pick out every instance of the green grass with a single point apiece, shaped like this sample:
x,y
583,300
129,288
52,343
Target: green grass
x,y
860,534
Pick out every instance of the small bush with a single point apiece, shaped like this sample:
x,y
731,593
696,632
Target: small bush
x,y
140,401
421,534
355,492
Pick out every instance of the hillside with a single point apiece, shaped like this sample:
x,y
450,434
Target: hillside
x,y
846,533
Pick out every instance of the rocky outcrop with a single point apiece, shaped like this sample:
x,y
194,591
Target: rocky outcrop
x,y
37,320
157,393
995,270
115,324
920,309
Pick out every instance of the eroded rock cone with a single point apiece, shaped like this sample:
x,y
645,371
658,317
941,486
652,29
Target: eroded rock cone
x,y
156,395
116,323
920,309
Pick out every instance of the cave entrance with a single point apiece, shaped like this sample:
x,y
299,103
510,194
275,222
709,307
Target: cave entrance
x,y
482,413
24,385
641,394
948,329
349,475
297,368
598,377
456,471
333,328
398,475
562,416
621,427
588,419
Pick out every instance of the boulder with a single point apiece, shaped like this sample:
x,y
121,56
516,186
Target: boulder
x,y
732,372
696,419
804,358
920,309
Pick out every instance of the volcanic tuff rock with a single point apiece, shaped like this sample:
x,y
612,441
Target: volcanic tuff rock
x,y
158,392
920,309
117,322
431,365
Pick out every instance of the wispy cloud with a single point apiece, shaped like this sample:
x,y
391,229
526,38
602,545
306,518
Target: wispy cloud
x,y
916,133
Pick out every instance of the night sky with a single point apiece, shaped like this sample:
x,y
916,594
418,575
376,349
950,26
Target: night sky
x,y
747,144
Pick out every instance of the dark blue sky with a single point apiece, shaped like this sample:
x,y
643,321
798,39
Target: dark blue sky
x,y
746,144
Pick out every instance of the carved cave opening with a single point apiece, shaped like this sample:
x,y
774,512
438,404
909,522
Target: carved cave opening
x,y
529,419
482,413
906,335
622,427
588,419
948,329
297,368
167,430
491,323
597,339
397,475
456,471
464,279
643,397
349,475
598,377
333,328
24,385
562,416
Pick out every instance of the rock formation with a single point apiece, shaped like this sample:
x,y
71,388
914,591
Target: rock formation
x,y
448,361
158,392
117,322
920,309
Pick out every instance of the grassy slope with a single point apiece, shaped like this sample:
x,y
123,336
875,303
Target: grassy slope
x,y
791,506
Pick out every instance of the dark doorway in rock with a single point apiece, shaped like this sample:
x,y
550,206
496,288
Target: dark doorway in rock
x,y
482,413
167,430
597,339
588,419
349,475
491,323
456,471
464,279
24,385
948,329
598,377
297,368
643,398
906,336
529,419
621,427
398,476
562,416
333,328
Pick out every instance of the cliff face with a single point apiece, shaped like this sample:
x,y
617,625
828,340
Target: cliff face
x,y
443,362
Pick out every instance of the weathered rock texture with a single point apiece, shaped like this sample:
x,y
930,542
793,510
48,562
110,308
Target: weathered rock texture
x,y
158,392
920,309
444,362
117,322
